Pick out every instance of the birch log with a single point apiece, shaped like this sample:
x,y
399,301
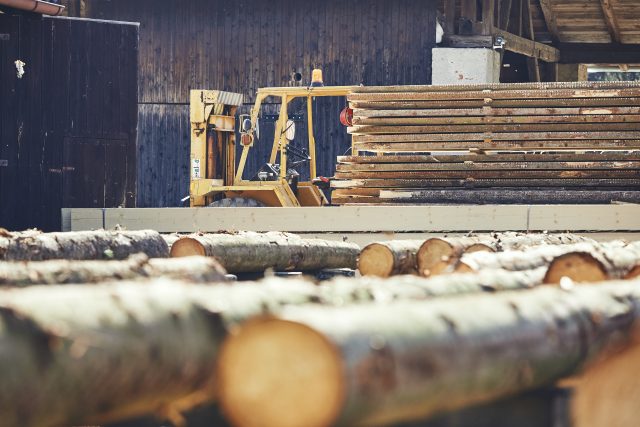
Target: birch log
x,y
192,269
248,252
82,245
384,259
440,255
582,262
436,255
380,364
125,349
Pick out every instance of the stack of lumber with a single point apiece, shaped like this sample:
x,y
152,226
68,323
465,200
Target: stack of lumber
x,y
500,143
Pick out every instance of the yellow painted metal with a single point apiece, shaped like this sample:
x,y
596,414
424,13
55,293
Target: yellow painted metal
x,y
207,107
312,140
243,162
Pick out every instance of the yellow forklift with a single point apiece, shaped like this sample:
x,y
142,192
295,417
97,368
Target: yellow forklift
x,y
215,180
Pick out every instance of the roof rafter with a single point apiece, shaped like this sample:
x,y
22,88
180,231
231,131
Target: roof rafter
x,y
550,19
610,19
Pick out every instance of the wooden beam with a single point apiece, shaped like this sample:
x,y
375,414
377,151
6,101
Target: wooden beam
x,y
533,63
550,19
527,47
488,13
611,20
450,17
599,53
505,14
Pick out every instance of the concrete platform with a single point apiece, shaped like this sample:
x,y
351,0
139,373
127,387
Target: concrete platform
x,y
367,223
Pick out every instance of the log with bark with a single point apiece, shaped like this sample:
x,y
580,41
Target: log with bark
x,y
82,245
250,252
384,259
379,364
192,269
440,255
581,262
125,349
171,239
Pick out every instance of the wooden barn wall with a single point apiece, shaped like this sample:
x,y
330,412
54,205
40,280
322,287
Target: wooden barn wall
x,y
242,45
68,126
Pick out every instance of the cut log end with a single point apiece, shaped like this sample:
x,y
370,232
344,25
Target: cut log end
x,y
478,247
578,266
376,260
186,247
464,268
607,394
276,373
634,273
436,256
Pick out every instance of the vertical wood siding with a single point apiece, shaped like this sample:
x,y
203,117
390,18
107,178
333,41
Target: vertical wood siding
x,y
68,127
242,45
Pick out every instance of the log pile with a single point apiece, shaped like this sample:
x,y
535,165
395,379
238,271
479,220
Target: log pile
x,y
506,143
441,255
89,342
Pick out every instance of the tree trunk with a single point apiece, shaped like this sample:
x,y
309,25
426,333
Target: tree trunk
x,y
437,255
193,269
249,252
82,245
440,255
124,349
581,262
380,364
384,259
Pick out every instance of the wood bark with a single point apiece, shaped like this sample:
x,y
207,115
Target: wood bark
x,y
248,252
124,349
581,262
381,364
82,245
384,259
192,269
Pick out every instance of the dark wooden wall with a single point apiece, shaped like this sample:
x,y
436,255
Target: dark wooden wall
x,y
241,45
68,126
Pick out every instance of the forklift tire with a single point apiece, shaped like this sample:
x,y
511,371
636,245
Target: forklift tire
x,y
237,202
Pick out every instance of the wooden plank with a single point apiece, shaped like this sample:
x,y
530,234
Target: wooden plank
x,y
428,147
488,196
488,120
337,220
485,183
611,20
500,94
517,103
496,165
378,219
498,86
509,157
473,174
496,136
624,217
488,113
535,130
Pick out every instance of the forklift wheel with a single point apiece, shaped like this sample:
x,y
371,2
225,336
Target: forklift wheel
x,y
237,202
